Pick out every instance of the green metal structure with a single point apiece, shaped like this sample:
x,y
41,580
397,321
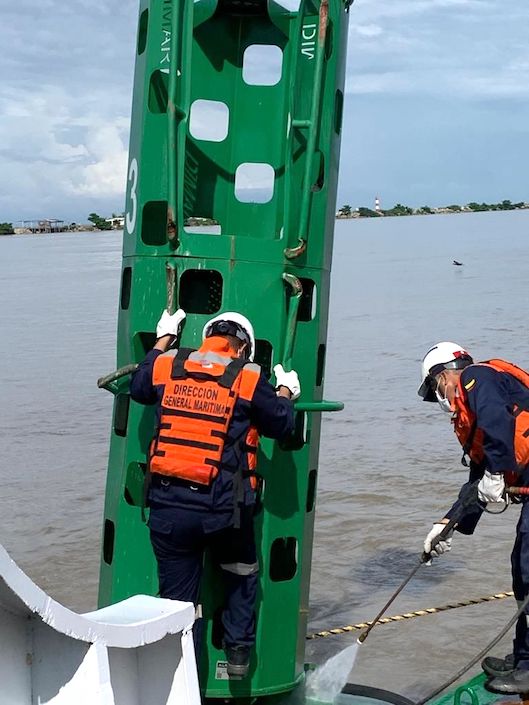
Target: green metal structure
x,y
236,118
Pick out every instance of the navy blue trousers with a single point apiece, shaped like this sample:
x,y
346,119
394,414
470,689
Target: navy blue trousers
x,y
179,541
520,586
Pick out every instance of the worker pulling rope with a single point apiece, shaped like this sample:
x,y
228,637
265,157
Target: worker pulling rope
x,y
409,615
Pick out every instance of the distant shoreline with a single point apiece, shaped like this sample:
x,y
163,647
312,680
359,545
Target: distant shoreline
x,y
356,216
360,213
347,212
80,231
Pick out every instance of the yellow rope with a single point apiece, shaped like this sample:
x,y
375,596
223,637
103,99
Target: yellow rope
x,y
409,615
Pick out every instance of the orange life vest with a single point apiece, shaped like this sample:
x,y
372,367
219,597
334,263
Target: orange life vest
x,y
252,444
201,388
471,436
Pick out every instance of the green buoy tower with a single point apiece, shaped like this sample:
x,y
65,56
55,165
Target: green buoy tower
x,y
236,124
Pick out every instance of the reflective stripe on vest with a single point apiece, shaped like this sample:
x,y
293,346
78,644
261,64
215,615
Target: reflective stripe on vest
x,y
471,436
200,391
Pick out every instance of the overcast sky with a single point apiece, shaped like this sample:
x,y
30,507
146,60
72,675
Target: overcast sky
x,y
437,104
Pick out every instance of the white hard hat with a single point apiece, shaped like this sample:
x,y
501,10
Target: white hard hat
x,y
443,356
235,324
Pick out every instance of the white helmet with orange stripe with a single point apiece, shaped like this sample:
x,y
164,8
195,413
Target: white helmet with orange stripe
x,y
232,323
442,356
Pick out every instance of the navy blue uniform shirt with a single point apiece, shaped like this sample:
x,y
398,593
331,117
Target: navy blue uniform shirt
x,y
491,396
273,417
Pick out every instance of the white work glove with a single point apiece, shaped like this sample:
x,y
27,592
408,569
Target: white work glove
x,y
442,546
288,379
170,324
491,487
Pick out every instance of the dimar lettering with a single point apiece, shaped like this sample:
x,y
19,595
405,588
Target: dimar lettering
x,y
165,45
308,44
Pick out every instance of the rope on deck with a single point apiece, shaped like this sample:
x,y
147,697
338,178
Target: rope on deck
x,y
409,615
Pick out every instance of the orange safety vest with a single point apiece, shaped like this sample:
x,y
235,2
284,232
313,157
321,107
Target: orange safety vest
x,y
252,444
201,388
471,436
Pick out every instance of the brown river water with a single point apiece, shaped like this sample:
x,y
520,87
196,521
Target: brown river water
x,y
389,464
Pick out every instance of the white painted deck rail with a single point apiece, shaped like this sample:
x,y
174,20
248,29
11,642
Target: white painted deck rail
x,y
137,652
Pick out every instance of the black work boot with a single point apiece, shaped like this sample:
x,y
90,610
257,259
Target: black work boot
x,y
238,660
498,666
515,682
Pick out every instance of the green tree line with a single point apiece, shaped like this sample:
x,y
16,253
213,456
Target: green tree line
x,y
398,209
6,229
99,222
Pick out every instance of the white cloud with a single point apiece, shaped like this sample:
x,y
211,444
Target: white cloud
x,y
51,151
472,49
30,125
370,9
65,106
387,82
105,172
367,30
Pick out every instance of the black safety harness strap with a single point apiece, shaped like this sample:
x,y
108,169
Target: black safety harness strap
x,y
238,480
178,370
231,373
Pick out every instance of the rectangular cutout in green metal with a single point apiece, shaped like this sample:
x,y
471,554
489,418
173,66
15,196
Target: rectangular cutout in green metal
x,y
299,437
121,414
201,291
142,32
311,490
154,223
158,92
142,342
263,356
126,279
134,484
108,541
307,303
283,559
320,365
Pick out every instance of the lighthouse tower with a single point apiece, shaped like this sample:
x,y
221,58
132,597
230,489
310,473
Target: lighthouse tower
x,y
377,204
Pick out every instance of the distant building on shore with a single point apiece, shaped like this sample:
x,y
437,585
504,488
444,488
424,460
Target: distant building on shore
x,y
45,225
117,222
